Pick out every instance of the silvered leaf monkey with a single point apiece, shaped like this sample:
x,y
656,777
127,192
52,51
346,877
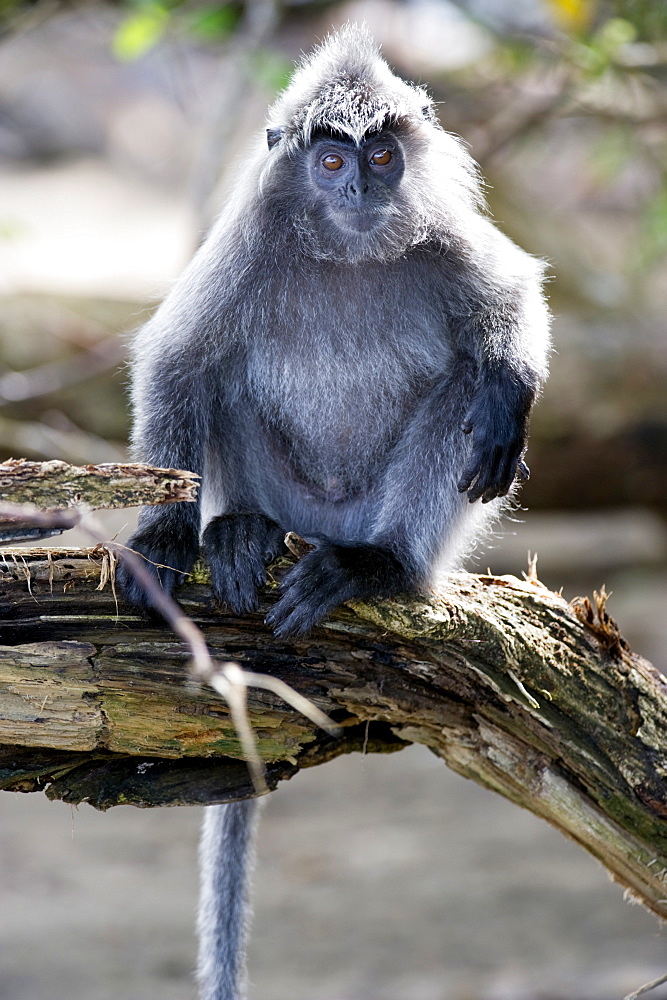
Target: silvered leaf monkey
x,y
352,355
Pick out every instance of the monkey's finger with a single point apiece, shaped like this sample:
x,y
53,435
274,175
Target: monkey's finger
x,y
298,623
279,612
516,470
284,621
474,470
309,612
502,482
308,574
310,587
297,613
480,482
469,476
292,594
271,545
499,488
312,590
238,592
493,491
241,600
479,490
487,485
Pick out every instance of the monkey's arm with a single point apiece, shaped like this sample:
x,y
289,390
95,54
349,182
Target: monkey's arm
x,y
180,370
506,330
171,429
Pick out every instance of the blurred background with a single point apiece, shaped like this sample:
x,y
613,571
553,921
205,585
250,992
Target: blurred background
x,y
379,879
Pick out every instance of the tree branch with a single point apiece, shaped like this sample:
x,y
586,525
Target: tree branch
x,y
539,700
56,485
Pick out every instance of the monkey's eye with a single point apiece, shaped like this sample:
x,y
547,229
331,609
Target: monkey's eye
x,y
381,157
332,161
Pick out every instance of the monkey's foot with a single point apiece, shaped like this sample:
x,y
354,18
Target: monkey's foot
x,y
329,575
169,552
238,548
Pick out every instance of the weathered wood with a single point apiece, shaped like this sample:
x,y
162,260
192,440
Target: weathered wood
x,y
501,678
54,485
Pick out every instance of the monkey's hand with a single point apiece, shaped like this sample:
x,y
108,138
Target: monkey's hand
x,y
327,576
238,548
169,548
498,421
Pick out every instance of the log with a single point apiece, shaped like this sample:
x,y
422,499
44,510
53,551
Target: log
x,y
56,485
537,699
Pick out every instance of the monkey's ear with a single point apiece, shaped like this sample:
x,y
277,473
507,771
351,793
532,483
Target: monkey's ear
x,y
273,136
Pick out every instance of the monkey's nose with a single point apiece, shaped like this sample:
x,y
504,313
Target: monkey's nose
x,y
357,188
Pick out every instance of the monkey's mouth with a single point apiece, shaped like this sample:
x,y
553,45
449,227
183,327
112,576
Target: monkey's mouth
x,y
360,220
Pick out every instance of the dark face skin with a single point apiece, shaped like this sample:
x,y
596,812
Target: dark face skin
x,y
356,183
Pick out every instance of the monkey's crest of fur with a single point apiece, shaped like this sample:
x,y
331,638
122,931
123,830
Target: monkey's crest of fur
x,y
346,87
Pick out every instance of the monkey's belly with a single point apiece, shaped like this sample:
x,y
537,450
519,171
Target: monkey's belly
x,y
333,403
330,467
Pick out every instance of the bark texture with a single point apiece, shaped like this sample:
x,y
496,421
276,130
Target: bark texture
x,y
536,699
54,485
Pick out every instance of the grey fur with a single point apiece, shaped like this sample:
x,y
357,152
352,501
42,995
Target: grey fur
x,y
352,356
319,376
227,858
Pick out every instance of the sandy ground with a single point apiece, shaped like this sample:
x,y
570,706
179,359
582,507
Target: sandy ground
x,y
379,879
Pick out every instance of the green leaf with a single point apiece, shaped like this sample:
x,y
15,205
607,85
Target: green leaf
x,y
140,32
214,22
614,34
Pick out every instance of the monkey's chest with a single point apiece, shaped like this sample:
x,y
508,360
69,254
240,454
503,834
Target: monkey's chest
x,y
334,407
326,400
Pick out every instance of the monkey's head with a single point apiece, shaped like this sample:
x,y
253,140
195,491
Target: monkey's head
x,y
356,157
356,184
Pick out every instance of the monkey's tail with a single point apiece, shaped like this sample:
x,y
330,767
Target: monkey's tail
x,y
226,860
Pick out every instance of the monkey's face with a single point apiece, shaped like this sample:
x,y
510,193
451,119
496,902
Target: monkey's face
x,y
356,185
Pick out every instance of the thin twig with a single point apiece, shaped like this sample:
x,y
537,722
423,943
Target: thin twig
x,y
22,513
646,987
229,681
